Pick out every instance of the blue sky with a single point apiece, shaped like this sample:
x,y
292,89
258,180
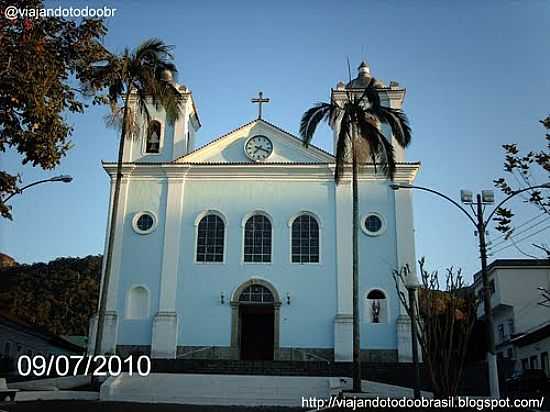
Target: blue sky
x,y
476,75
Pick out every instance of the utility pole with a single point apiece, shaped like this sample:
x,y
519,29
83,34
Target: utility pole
x,y
480,222
491,351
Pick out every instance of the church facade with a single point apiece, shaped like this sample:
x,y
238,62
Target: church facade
x,y
241,249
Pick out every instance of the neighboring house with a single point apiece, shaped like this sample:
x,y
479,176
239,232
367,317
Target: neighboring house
x,y
521,324
533,348
242,248
18,338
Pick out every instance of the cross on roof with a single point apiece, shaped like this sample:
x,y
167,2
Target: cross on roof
x,y
260,100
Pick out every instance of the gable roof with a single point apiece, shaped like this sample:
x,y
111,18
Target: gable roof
x,y
323,153
40,333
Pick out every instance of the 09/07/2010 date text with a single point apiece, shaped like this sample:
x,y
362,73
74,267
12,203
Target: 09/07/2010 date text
x,y
72,365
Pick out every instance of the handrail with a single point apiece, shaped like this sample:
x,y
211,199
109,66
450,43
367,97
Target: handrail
x,y
194,351
312,355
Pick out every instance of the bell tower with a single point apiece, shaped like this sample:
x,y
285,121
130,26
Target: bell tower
x,y
161,139
390,96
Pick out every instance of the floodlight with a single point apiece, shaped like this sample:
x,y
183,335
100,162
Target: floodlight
x,y
466,196
488,196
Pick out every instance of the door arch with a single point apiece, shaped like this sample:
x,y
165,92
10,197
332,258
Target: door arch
x,y
254,298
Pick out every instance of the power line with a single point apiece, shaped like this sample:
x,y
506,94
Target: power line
x,y
514,235
520,240
497,239
521,251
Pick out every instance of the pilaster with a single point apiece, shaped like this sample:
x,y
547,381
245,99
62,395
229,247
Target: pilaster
x,y
404,338
165,323
117,248
406,254
343,321
343,337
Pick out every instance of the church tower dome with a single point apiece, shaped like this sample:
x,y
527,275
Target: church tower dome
x,y
167,76
363,77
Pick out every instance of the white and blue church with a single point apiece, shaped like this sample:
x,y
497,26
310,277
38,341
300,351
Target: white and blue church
x,y
242,248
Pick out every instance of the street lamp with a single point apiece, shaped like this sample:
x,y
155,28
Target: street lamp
x,y
412,285
480,222
60,178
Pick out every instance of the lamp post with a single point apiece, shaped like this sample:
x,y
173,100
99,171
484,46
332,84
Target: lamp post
x,y
60,178
412,285
480,223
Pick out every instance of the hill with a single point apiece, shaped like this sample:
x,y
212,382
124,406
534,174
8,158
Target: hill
x,y
59,296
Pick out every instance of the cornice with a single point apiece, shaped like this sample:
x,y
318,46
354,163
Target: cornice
x,y
405,172
391,93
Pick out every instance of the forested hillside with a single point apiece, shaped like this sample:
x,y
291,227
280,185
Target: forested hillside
x,y
59,296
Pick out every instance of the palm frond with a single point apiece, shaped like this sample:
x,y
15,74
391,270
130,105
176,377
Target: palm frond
x,y
343,145
381,149
113,119
154,49
368,132
358,117
370,93
169,98
388,166
142,102
398,122
311,119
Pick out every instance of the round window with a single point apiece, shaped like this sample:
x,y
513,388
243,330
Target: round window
x,y
373,224
144,223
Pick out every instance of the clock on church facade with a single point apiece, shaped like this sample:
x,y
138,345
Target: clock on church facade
x,y
258,148
241,248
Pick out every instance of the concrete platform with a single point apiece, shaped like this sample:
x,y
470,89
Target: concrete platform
x,y
25,396
51,384
194,389
233,390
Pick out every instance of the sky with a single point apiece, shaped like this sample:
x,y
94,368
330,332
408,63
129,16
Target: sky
x,y
476,74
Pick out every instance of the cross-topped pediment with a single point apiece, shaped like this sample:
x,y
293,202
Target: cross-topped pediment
x,y
257,142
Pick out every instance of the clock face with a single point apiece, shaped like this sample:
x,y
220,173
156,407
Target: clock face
x,y
258,148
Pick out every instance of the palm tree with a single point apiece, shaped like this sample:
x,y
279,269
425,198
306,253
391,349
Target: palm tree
x,y
144,74
356,121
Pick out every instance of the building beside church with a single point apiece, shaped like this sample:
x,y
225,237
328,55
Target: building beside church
x,y
520,313
241,248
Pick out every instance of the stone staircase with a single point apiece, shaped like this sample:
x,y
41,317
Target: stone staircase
x,y
392,373
237,367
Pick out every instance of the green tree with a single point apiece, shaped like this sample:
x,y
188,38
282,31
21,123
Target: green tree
x,y
356,122
43,64
144,74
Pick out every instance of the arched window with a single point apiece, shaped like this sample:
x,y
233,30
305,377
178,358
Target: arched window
x,y
138,303
305,240
376,306
152,145
210,239
256,294
257,239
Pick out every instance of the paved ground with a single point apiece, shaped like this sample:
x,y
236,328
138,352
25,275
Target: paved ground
x,y
96,406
